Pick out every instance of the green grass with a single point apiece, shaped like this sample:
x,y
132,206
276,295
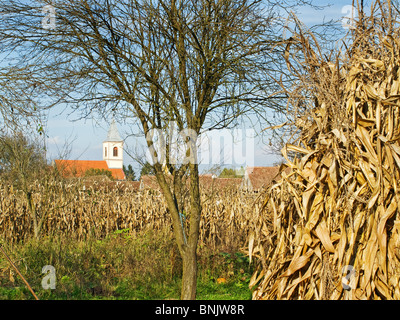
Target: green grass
x,y
122,266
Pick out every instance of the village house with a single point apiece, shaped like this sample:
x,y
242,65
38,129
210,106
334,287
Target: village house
x,y
257,178
253,180
207,181
112,158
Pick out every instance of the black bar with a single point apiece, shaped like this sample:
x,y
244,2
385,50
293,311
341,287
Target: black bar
x,y
208,309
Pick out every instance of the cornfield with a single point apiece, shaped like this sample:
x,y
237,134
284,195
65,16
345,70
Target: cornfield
x,y
330,227
78,210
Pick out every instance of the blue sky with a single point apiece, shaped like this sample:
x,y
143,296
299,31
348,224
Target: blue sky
x,y
86,135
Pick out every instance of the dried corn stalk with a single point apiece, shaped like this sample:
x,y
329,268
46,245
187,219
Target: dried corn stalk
x,y
337,209
96,210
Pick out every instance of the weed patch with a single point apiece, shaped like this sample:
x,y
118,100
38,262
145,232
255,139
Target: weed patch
x,y
121,266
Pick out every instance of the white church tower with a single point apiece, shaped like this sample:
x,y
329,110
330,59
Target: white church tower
x,y
113,148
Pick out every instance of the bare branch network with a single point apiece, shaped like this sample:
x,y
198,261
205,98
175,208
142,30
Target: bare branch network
x,y
200,64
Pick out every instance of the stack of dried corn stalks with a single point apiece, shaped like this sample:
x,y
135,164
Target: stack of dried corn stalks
x,y
338,208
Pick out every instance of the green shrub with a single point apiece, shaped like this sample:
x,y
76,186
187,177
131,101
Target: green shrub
x,y
99,172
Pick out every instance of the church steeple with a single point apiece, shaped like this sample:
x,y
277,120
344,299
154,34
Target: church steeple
x,y
113,134
113,147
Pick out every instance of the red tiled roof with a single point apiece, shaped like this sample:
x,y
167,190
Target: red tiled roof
x,y
134,184
261,176
77,168
206,182
149,182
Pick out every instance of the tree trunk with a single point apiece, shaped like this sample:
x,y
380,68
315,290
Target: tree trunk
x,y
187,245
189,275
32,210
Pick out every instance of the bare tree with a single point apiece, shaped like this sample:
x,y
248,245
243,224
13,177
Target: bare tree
x,y
17,97
22,163
199,64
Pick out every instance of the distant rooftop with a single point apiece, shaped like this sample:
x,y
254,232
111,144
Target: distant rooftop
x,y
77,168
113,134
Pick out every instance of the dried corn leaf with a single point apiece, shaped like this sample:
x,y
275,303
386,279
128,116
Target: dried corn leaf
x,y
344,180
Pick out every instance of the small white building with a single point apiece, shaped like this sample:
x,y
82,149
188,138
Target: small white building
x,y
113,148
112,159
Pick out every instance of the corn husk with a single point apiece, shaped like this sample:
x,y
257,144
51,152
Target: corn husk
x,y
337,207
